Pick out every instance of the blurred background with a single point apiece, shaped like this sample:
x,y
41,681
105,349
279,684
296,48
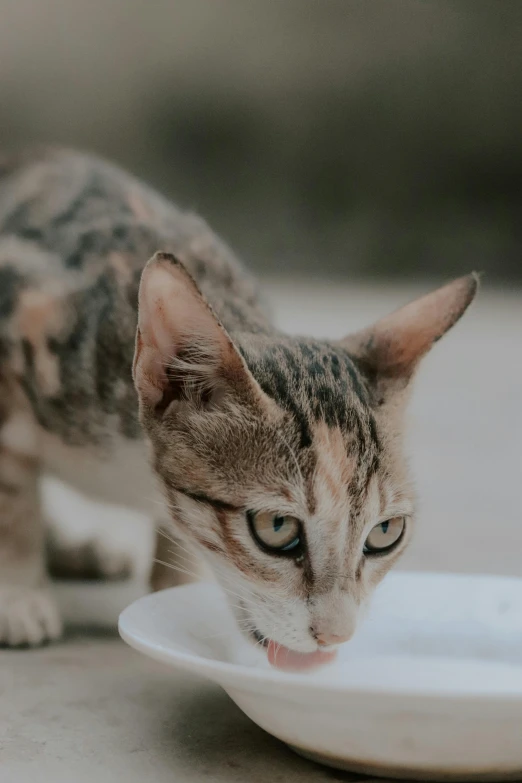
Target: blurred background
x,y
346,138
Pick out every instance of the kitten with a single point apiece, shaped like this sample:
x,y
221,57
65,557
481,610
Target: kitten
x,y
277,459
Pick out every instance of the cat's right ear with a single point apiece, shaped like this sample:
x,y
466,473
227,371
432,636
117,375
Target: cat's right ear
x,y
392,348
182,350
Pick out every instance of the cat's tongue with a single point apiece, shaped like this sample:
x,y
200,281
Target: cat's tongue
x,y
292,661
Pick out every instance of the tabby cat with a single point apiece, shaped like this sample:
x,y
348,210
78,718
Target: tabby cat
x,y
164,386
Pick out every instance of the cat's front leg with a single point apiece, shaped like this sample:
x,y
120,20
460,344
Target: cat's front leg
x,y
28,612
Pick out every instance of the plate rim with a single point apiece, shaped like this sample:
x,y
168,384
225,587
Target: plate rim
x,y
237,674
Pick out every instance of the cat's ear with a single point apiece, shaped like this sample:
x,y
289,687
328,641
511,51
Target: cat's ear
x,y
393,347
182,350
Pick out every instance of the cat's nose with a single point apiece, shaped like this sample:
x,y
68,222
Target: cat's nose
x,y
328,639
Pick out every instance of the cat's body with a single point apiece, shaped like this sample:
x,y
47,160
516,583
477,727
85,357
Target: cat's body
x,y
75,234
242,420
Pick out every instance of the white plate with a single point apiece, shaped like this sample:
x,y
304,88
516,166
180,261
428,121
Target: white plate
x,y
430,686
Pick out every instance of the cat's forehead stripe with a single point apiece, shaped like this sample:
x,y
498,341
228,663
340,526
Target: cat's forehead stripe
x,y
313,381
321,388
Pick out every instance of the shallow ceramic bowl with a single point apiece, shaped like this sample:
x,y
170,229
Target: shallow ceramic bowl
x,y
429,687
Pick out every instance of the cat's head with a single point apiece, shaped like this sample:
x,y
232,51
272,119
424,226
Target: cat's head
x,y
282,458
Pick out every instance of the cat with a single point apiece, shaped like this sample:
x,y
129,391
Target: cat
x,y
163,385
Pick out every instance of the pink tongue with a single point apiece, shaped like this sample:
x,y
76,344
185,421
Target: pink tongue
x,y
289,660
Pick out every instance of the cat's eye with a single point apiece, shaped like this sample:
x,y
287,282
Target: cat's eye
x,y
275,532
385,536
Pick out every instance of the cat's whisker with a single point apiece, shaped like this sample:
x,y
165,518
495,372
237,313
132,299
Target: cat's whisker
x,y
247,599
245,602
242,598
246,596
180,551
183,561
176,569
156,502
263,640
173,567
162,532
178,541
227,633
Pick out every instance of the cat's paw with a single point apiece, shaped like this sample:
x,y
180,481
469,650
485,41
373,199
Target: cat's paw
x,y
28,616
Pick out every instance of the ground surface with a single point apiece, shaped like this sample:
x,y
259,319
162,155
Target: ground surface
x,y
92,709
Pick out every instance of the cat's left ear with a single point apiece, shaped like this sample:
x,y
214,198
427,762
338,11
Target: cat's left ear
x,y
392,347
182,350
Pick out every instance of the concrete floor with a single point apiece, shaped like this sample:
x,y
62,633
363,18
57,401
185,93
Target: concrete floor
x,y
91,708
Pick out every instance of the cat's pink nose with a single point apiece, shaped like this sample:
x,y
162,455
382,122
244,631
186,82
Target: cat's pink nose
x,y
327,639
